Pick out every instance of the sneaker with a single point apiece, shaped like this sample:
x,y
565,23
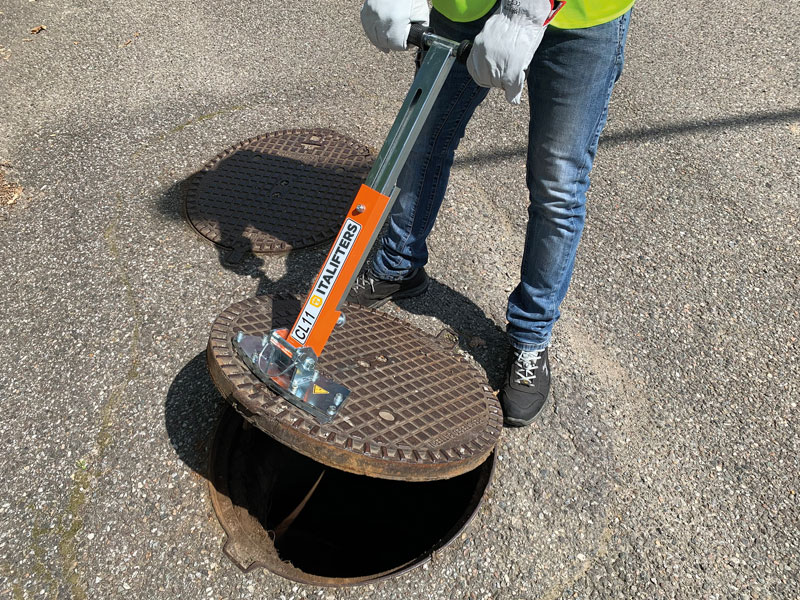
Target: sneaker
x,y
526,387
372,292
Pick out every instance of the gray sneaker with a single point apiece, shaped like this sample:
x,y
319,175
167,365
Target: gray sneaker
x,y
526,387
372,292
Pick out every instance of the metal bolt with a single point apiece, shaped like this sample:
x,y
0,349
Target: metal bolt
x,y
360,209
337,399
340,321
309,364
331,410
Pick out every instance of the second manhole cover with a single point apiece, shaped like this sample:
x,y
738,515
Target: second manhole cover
x,y
277,192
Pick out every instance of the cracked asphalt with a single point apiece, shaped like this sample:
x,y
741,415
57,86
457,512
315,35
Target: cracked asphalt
x,y
666,465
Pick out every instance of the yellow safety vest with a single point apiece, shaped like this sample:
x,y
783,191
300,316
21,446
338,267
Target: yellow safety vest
x,y
575,15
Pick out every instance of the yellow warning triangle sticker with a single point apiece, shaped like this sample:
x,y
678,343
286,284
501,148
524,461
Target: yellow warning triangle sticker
x,y
319,390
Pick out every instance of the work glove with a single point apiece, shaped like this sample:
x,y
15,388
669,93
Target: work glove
x,y
388,22
505,46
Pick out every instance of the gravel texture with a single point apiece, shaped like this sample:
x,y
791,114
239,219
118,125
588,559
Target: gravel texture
x,y
664,467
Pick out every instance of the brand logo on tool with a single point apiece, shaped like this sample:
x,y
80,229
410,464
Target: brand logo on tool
x,y
327,278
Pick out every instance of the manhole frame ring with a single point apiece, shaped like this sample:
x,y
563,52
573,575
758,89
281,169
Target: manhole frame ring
x,y
232,419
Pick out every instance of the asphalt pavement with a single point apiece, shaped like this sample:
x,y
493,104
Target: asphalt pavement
x,y
666,465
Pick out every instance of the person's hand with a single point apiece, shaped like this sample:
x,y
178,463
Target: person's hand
x,y
505,46
388,22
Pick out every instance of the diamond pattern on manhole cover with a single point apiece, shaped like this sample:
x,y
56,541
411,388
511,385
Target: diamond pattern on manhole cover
x,y
416,411
277,192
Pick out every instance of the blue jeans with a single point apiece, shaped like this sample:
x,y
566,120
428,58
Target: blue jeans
x,y
569,87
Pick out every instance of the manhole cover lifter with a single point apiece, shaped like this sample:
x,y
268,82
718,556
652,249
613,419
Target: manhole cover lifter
x,y
286,359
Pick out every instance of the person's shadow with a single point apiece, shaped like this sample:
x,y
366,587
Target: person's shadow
x,y
238,229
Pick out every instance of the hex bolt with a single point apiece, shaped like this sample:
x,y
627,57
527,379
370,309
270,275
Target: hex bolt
x,y
340,321
337,399
309,364
331,410
360,208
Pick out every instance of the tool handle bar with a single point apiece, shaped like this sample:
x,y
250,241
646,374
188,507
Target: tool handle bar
x,y
420,36
463,50
416,37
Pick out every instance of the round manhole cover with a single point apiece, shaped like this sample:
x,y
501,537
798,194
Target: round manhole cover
x,y
277,192
311,523
416,411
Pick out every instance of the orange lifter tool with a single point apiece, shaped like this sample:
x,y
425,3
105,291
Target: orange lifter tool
x,y
286,359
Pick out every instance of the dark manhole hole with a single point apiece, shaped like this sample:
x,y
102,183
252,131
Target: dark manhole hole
x,y
277,192
417,411
315,524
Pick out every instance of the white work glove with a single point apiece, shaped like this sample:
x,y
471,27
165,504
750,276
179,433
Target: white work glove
x,y
388,22
505,46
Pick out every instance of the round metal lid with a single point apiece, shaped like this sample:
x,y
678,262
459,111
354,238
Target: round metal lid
x,y
416,411
277,192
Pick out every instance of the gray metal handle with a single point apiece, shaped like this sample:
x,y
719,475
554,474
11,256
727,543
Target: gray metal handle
x,y
439,58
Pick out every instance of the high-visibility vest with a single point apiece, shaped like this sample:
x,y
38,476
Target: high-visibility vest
x,y
575,15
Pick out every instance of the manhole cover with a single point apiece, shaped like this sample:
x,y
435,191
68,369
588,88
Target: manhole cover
x,y
302,520
416,412
277,192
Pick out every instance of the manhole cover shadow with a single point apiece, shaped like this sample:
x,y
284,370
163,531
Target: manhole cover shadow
x,y
315,524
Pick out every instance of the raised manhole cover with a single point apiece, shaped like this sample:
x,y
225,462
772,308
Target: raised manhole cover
x,y
302,520
416,412
277,192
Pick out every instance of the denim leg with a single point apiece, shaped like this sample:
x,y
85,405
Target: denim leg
x,y
424,178
569,86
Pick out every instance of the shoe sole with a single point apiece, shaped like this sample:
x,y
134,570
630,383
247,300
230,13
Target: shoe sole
x,y
512,422
417,291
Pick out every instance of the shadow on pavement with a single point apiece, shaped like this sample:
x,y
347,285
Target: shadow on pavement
x,y
191,413
477,334
652,133
235,250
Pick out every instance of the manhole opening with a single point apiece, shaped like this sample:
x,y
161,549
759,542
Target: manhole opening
x,y
316,524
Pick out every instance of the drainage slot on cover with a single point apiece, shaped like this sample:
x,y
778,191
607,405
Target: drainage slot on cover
x,y
317,524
